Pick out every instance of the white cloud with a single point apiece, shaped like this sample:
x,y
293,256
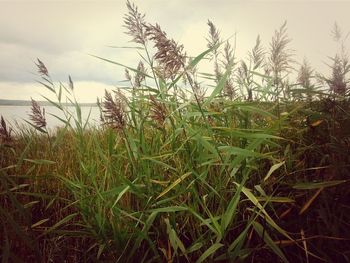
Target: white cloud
x,y
86,91
62,33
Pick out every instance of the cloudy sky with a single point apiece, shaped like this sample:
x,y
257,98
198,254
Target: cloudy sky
x,y
63,33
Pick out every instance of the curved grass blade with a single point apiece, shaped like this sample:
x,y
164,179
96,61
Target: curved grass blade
x,y
209,252
268,240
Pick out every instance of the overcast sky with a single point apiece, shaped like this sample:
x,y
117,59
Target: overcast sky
x,y
63,33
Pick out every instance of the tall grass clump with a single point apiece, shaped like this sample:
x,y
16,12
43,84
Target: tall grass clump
x,y
187,166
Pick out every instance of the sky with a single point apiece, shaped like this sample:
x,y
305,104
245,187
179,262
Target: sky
x,y
63,33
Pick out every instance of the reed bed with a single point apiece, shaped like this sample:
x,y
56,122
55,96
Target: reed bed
x,y
242,167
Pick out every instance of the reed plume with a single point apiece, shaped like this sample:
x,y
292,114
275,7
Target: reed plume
x,y
5,133
114,110
169,54
244,79
336,32
242,73
339,80
42,70
224,64
280,58
138,78
245,75
158,111
140,75
257,54
304,78
213,39
135,24
37,116
228,63
228,55
305,74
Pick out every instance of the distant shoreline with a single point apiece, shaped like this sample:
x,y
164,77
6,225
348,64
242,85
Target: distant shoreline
x,y
41,103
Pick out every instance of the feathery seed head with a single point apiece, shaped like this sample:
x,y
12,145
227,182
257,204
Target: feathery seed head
x,y
305,74
336,32
229,55
135,24
158,111
169,54
257,54
140,75
37,116
42,70
229,89
114,110
280,55
5,133
214,35
338,82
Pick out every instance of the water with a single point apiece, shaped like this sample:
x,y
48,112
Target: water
x,y
16,115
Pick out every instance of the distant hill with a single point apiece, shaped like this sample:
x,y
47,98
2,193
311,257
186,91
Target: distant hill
x,y
41,103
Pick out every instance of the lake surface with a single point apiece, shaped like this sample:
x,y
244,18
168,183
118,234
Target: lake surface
x,y
16,115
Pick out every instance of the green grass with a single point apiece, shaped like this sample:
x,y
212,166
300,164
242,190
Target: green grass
x,y
188,190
